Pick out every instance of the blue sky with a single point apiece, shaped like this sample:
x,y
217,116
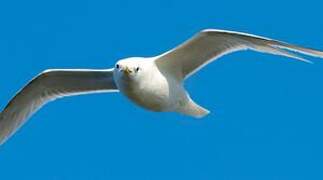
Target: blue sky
x,y
266,120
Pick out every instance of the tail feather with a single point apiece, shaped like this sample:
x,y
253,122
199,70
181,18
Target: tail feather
x,y
193,109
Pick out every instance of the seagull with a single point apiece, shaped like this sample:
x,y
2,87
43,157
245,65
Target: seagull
x,y
154,83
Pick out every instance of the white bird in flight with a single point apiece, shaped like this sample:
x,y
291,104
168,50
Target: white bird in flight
x,y
155,83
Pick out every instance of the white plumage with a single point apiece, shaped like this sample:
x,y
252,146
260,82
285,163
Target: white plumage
x,y
155,83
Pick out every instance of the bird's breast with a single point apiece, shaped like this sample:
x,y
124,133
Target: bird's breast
x,y
151,93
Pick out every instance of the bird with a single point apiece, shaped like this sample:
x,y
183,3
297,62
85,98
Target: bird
x,y
154,83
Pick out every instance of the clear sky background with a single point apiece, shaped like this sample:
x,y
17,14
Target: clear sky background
x,y
266,120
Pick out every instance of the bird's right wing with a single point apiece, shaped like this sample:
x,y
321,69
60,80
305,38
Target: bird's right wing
x,y
211,44
48,86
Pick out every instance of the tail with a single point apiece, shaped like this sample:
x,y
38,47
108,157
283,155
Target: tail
x,y
192,109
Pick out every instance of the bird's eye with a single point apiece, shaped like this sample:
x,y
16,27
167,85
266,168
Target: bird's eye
x,y
137,69
117,66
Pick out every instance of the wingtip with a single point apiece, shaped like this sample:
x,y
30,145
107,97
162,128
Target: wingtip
x,y
305,60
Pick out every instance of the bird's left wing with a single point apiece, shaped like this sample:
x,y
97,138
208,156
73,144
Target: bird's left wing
x,y
208,45
48,86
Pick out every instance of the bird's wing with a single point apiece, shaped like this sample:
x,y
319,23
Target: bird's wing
x,y
207,45
48,86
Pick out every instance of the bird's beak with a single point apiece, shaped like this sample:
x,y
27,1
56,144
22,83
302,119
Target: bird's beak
x,y
127,71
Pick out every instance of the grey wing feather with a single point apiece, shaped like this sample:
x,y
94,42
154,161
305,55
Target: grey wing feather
x,y
210,44
48,86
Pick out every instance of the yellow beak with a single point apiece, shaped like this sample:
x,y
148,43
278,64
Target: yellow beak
x,y
127,70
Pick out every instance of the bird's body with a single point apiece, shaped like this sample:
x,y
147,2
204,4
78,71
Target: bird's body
x,y
155,83
153,88
149,91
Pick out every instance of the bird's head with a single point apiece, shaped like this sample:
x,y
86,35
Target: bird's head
x,y
132,71
128,68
